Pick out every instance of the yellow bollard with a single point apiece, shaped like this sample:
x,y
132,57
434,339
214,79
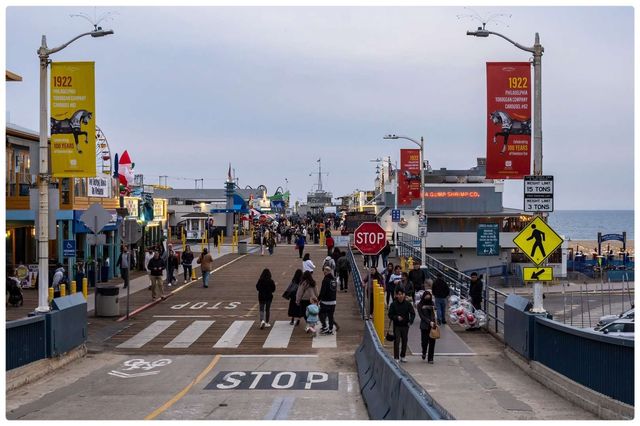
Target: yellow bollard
x,y
63,290
50,294
85,288
410,263
378,312
403,264
193,274
72,290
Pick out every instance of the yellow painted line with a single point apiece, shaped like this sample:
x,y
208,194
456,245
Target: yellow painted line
x,y
184,391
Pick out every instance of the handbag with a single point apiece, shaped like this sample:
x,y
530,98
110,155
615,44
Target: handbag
x,y
389,337
434,333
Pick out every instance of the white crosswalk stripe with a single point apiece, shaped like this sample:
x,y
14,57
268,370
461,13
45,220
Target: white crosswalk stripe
x,y
146,335
234,334
323,341
190,334
279,335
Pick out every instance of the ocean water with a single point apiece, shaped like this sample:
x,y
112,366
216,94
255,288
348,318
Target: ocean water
x,y
585,224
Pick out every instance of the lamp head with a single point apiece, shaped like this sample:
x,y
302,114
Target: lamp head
x,y
390,137
99,32
480,33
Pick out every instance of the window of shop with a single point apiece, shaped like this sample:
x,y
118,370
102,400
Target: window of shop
x,y
18,171
80,187
65,191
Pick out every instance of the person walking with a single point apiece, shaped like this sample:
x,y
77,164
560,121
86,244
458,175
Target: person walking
x,y
265,287
386,251
300,244
271,243
186,260
327,298
394,280
475,291
440,292
373,275
156,267
330,243
58,279
417,276
147,257
126,261
329,262
402,314
290,294
206,266
307,264
306,290
427,314
311,316
172,266
343,272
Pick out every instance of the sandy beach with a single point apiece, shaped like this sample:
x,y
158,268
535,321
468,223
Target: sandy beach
x,y
587,246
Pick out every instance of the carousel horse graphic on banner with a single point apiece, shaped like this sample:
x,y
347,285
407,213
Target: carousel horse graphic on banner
x,y
509,126
72,125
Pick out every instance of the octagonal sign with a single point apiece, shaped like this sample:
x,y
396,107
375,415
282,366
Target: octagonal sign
x,y
370,238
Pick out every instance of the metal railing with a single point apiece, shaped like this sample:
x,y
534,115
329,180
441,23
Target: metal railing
x,y
357,283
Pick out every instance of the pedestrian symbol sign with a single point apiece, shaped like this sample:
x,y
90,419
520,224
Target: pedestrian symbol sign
x,y
537,274
538,241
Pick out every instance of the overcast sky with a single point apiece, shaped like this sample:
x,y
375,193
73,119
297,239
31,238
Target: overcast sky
x,y
271,89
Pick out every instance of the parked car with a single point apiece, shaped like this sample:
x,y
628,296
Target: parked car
x,y
628,314
619,328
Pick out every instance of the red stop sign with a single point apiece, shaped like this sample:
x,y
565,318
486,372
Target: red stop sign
x,y
370,238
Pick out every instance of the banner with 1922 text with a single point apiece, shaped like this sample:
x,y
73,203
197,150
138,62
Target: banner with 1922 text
x,y
508,120
73,121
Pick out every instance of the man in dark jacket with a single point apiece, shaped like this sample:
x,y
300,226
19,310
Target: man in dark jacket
x,y
440,291
125,263
156,266
327,299
343,272
475,291
417,277
402,314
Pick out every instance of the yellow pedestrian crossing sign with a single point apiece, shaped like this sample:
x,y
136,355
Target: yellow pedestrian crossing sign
x,y
538,240
537,274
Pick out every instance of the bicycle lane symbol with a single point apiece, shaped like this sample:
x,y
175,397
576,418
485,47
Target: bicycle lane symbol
x,y
139,364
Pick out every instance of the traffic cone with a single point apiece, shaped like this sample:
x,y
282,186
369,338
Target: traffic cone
x,y
193,274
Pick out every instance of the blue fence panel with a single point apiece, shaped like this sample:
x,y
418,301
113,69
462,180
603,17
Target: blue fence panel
x,y
599,362
25,341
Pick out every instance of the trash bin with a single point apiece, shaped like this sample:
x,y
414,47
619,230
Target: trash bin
x,y
242,247
107,304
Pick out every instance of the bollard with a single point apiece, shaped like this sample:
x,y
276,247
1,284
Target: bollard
x,y
378,314
50,294
382,315
73,289
410,263
193,274
321,239
63,290
403,264
85,288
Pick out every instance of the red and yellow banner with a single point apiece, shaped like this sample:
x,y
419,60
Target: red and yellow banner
x,y
409,176
508,120
73,121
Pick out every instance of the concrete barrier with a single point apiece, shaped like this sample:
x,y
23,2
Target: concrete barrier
x,y
388,391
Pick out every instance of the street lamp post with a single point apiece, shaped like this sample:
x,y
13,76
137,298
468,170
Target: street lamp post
x,y
43,182
423,211
537,50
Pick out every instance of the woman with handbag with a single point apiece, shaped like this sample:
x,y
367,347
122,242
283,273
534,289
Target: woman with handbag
x,y
290,294
428,326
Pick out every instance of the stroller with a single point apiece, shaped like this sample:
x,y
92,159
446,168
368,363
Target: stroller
x,y
15,292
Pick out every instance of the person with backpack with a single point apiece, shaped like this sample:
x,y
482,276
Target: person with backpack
x,y
343,272
59,277
329,263
186,260
290,294
440,292
265,287
327,299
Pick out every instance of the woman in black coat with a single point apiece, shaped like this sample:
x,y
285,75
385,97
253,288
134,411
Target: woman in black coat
x,y
427,313
294,309
266,287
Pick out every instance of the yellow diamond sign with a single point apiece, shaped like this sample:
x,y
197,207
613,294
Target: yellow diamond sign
x,y
538,241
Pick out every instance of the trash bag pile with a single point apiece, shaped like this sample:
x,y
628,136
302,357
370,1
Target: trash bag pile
x,y
462,312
